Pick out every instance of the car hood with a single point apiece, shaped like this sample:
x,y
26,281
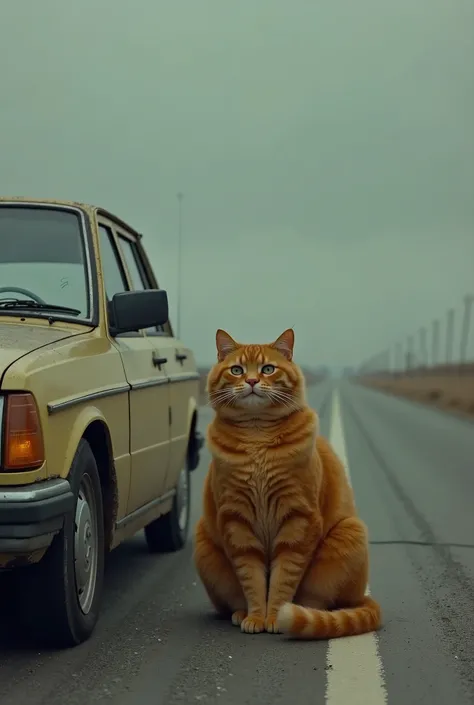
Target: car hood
x,y
18,339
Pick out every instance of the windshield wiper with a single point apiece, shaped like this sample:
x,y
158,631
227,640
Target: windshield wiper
x,y
28,304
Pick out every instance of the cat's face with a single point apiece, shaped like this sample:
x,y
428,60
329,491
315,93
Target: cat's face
x,y
258,379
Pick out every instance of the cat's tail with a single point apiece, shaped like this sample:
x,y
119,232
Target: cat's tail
x,y
307,623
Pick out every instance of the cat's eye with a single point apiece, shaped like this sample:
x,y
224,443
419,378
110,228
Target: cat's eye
x,y
268,369
237,370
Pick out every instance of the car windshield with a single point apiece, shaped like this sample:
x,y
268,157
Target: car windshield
x,y
42,259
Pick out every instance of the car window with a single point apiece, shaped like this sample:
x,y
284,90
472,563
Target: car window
x,y
137,274
42,257
131,257
114,276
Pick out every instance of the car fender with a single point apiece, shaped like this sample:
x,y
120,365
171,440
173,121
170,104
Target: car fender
x,y
82,421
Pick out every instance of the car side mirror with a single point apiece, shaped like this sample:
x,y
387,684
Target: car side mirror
x,y
136,310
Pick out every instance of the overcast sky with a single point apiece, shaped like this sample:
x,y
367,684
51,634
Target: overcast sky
x,y
325,149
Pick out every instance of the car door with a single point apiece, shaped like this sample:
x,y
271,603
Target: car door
x,y
181,370
178,361
150,433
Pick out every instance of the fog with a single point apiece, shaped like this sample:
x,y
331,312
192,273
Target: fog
x,y
325,152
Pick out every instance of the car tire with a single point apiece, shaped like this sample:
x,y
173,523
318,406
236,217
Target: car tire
x,y
64,590
169,532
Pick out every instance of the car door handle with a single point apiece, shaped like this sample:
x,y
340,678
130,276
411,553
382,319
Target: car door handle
x,y
158,361
181,356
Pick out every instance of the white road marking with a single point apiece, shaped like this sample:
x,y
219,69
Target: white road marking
x,y
355,669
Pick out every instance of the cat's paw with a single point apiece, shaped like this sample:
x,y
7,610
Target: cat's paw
x,y
253,624
238,617
271,624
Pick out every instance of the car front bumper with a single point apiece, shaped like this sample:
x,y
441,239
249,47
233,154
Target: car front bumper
x,y
30,515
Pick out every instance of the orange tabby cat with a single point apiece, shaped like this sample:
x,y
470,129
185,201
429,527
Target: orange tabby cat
x,y
279,547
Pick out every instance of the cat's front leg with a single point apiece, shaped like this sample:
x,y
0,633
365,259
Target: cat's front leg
x,y
292,551
247,555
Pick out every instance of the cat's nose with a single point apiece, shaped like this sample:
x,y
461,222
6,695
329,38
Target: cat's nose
x,y
252,382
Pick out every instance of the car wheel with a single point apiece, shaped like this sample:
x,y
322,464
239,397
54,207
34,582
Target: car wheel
x,y
170,531
64,589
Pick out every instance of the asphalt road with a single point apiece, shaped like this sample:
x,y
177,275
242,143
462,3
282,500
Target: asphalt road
x,y
158,643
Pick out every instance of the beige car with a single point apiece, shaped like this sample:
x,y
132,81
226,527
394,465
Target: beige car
x,y
98,409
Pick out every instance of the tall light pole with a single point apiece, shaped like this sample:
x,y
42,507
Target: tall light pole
x,y
450,336
410,353
423,347
399,358
180,197
435,343
468,302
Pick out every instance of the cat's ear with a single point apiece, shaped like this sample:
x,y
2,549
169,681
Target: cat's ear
x,y
285,343
225,344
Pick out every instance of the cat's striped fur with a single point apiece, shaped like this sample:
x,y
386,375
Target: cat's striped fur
x,y
279,547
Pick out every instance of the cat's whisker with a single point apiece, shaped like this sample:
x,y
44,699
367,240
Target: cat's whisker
x,y
283,397
283,404
229,401
282,400
223,391
285,400
278,395
280,390
221,397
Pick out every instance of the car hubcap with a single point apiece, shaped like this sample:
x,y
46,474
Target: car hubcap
x,y
182,499
86,544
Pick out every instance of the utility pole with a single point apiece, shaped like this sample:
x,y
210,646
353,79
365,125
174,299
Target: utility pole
x,y
399,358
388,361
450,336
423,347
466,324
435,343
410,353
180,197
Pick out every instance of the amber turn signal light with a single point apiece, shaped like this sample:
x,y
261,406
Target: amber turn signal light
x,y
23,439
